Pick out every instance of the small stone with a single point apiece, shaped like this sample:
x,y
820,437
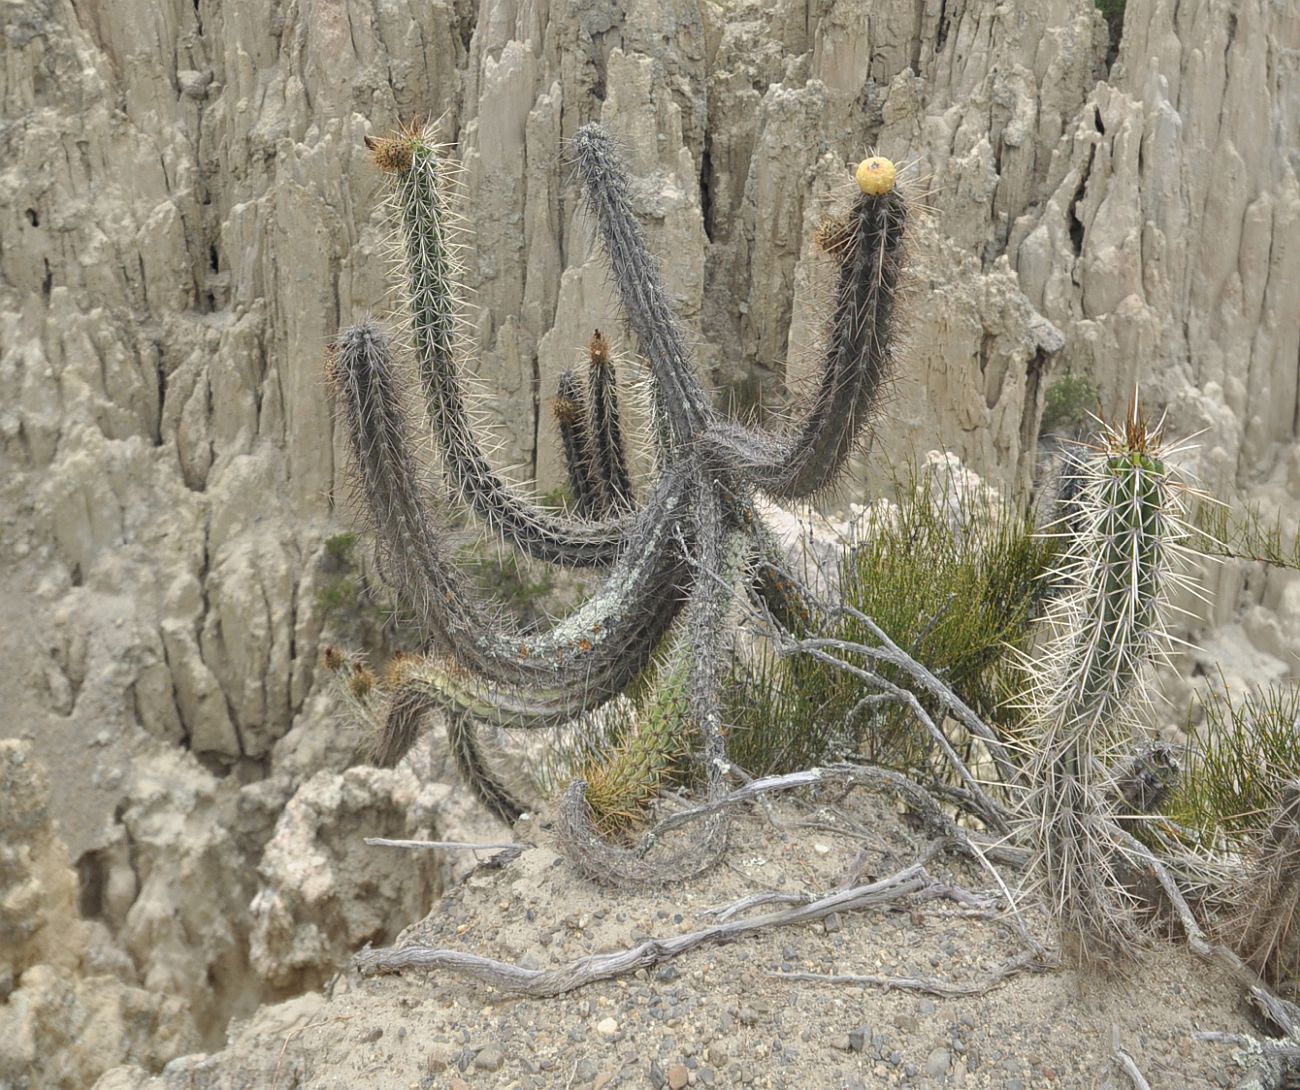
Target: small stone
x,y
678,1076
668,974
859,1038
926,1006
373,1036
831,923
657,1077
822,849
717,1056
607,1027
936,1064
439,1060
490,1059
840,1042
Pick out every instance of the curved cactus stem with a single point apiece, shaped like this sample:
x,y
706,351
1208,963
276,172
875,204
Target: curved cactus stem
x,y
605,429
855,370
575,441
409,704
705,617
679,398
430,283
400,730
472,764
589,655
415,554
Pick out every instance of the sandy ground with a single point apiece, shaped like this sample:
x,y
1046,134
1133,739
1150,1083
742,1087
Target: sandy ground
x,y
722,1015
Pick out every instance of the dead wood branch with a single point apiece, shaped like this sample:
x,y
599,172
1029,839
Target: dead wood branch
x,y
1029,961
1196,939
443,845
909,882
1129,1066
908,791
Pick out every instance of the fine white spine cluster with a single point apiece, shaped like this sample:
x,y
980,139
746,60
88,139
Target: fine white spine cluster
x,y
1120,521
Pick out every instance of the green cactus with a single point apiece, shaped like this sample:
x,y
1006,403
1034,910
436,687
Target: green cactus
x,y
1120,524
667,561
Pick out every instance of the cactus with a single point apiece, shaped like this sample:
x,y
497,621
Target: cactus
x,y
605,429
1121,522
671,556
1266,932
571,419
591,436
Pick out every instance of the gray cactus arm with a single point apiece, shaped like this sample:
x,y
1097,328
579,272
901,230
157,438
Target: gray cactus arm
x,y
408,708
575,442
705,623
854,371
679,398
428,265
605,428
588,655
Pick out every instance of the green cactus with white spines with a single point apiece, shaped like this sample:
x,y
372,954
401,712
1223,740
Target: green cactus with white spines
x,y
1121,522
667,559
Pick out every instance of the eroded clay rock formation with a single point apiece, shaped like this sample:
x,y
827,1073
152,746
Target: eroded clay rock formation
x,y
187,215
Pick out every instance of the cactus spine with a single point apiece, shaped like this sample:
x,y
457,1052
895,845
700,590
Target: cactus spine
x,y
1121,521
672,555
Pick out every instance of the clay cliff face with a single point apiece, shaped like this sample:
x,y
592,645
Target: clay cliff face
x,y
188,215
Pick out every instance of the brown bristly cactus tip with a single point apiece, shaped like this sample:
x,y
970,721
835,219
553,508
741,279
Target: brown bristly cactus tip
x,y
332,658
362,682
876,176
566,411
834,237
598,348
392,154
396,671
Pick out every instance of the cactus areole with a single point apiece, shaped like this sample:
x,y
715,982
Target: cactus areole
x,y
664,563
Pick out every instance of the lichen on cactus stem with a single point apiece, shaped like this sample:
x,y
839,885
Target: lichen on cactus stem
x,y
675,553
1121,523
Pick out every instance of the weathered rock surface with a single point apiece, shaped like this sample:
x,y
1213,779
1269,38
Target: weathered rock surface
x,y
323,893
70,1004
187,216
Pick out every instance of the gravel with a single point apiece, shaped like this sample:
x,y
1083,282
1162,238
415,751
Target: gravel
x,y
716,1017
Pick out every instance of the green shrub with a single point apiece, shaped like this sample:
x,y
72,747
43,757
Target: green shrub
x,y
1068,405
953,584
1240,757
